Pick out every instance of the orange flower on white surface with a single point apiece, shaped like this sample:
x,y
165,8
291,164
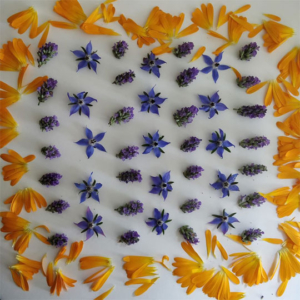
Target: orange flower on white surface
x,y
105,294
292,233
24,271
19,231
204,17
75,250
17,167
27,198
289,171
145,284
288,150
9,132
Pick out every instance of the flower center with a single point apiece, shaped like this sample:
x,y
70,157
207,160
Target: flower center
x,y
80,102
155,144
219,143
151,63
215,65
164,185
93,142
160,222
224,219
152,101
89,189
91,225
225,184
87,57
212,104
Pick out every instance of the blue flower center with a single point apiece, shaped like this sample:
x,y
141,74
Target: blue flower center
x,y
89,189
160,222
212,104
93,142
215,65
91,225
87,57
220,143
225,184
151,63
155,144
80,102
224,219
152,100
164,185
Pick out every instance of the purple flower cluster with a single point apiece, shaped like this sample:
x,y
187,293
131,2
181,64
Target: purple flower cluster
x,y
248,51
51,152
183,50
187,76
254,199
58,206
45,91
119,49
253,169
128,153
46,52
255,142
124,78
48,123
131,208
123,115
130,237
252,111
189,234
130,176
58,240
247,81
190,144
185,115
251,235
193,172
50,179
191,205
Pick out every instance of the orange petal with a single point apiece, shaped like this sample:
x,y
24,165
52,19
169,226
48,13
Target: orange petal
x,y
208,241
256,87
198,54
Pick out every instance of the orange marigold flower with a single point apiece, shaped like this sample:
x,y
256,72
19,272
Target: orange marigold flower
x,y
204,17
293,234
10,132
223,17
288,150
19,231
17,167
108,13
75,250
289,171
14,56
291,125
145,284
57,280
24,271
276,33
28,198
249,265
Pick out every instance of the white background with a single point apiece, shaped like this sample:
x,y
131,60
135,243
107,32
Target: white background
x,y
75,167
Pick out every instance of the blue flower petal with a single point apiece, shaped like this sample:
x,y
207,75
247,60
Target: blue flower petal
x,y
151,93
162,143
234,188
219,57
93,64
152,56
148,150
147,139
156,152
145,107
155,71
232,220
80,186
158,230
164,226
100,147
82,65
151,223
85,110
204,99
80,95
89,48
220,151
214,137
99,230
155,136
90,179
74,109
215,97
72,99
83,197
98,186
225,192
99,218
79,53
223,67
159,100
89,215
207,60
221,106
224,227
217,185
206,70
221,134
232,178
227,144
156,180
83,142
89,233
99,136
222,177
154,109
155,190
166,177
89,100
95,196
83,225
212,112
211,147
165,194
143,98
216,221
88,133
156,214
159,62
215,75
89,151
95,56
146,68
165,217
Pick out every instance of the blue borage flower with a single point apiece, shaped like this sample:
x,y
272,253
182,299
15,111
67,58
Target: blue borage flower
x,y
87,57
214,66
91,224
151,101
226,184
224,221
80,103
92,142
89,189
154,143
212,104
162,185
152,64
159,222
219,143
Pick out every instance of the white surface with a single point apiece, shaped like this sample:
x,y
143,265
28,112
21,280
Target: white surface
x,y
75,167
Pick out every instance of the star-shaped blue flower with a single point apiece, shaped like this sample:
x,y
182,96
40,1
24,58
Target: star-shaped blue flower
x,y
89,189
226,184
159,222
224,221
162,185
154,143
92,142
219,143
80,103
214,66
212,104
87,57
152,64
151,102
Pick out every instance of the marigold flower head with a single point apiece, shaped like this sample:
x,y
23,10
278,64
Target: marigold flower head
x,y
9,132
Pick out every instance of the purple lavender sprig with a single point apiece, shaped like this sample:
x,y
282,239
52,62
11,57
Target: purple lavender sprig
x,y
45,91
247,81
190,144
193,172
46,52
131,208
58,206
254,199
58,240
189,234
123,115
50,152
252,111
187,76
183,50
130,176
248,51
185,115
253,169
48,123
128,153
255,142
50,179
191,205
119,49
129,238
124,78
251,235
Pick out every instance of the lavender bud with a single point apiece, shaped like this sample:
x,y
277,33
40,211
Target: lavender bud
x,y
46,52
252,169
45,91
187,76
51,152
119,49
123,115
193,172
130,176
50,179
189,234
183,50
248,51
185,115
254,111
124,78
58,240
191,144
255,142
247,81
247,201
131,208
48,123
58,206
130,237
190,205
251,235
